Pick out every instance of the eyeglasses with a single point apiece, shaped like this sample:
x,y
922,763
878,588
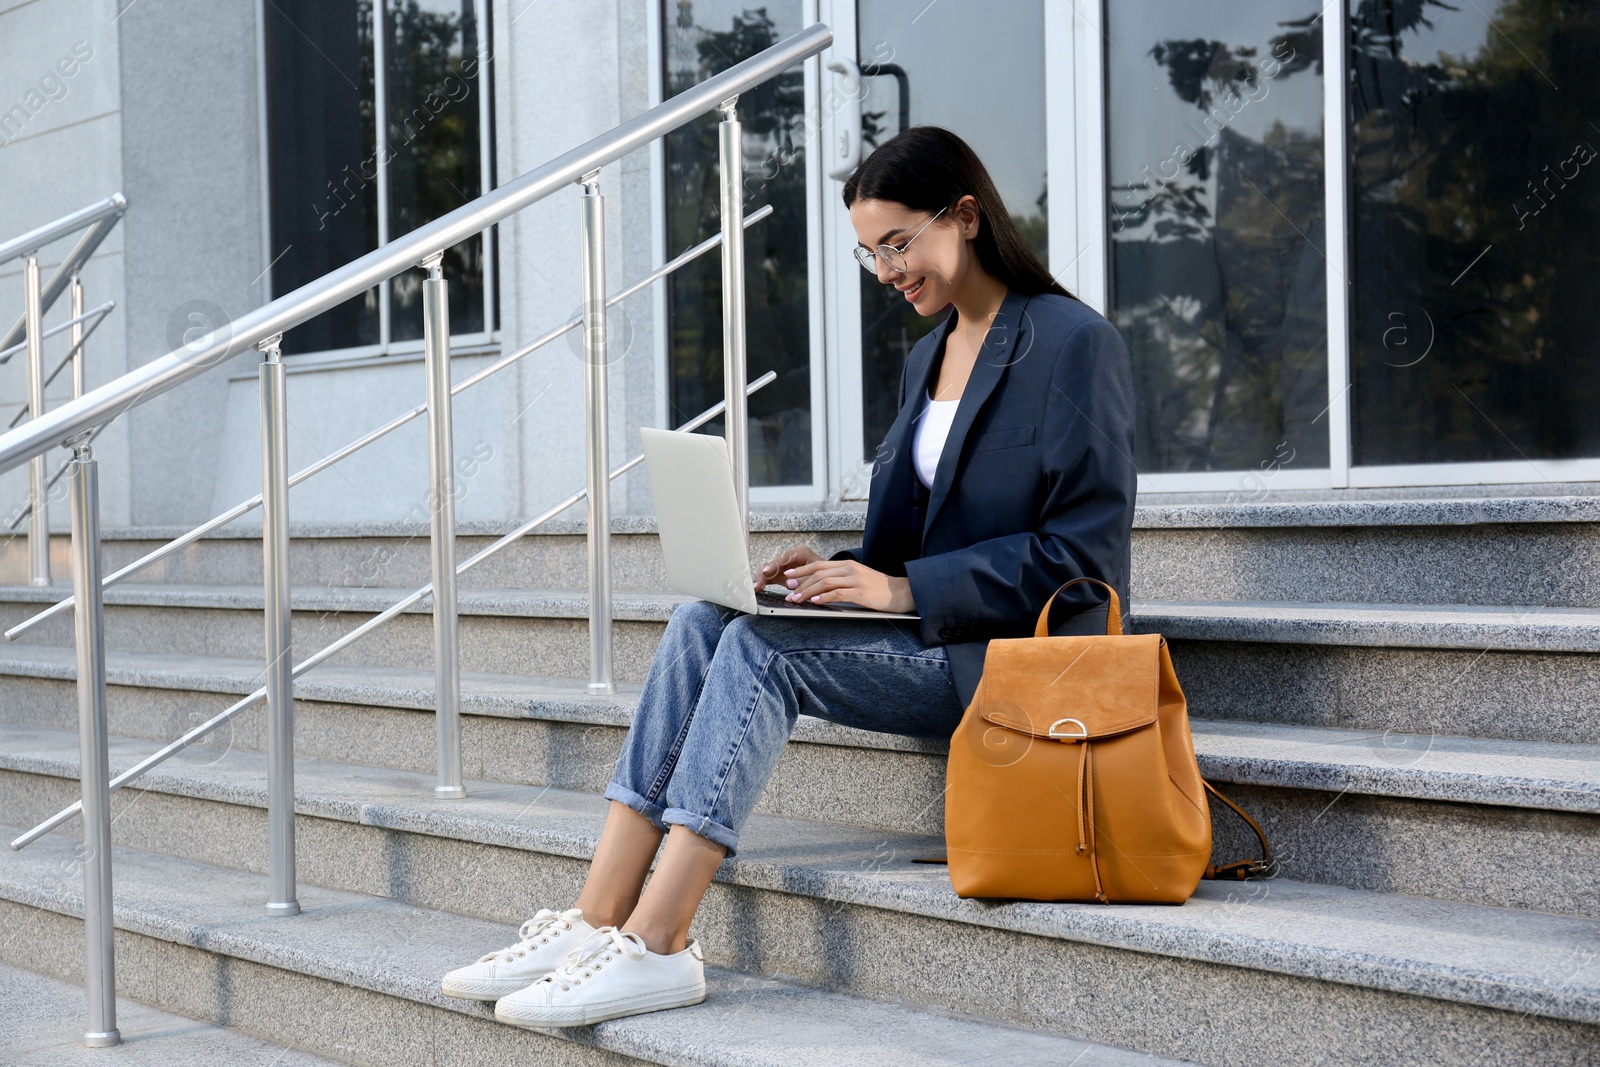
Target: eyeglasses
x,y
894,257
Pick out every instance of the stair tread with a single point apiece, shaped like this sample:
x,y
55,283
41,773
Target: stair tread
x,y
1495,957
1512,628
1399,506
1556,776
401,950
848,516
645,604
1548,775
44,1020
482,693
1453,506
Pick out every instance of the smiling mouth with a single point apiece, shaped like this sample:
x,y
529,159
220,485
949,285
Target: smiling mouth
x,y
911,292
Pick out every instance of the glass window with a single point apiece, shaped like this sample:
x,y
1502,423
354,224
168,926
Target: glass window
x,y
322,151
702,39
1215,172
1475,208
326,163
434,162
938,69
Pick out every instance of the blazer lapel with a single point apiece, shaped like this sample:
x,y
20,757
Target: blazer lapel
x,y
898,499
993,358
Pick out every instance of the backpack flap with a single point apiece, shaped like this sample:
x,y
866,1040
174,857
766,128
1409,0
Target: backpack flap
x,y
1071,688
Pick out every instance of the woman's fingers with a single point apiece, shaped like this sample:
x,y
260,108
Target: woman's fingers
x,y
789,557
771,569
810,580
774,566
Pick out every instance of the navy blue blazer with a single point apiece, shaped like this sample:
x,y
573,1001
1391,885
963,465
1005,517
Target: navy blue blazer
x,y
1035,485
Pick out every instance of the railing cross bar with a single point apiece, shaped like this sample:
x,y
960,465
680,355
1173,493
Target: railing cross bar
x,y
316,658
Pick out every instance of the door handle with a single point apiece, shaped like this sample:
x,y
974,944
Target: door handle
x,y
846,120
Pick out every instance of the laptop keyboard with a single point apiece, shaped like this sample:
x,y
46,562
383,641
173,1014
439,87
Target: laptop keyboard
x,y
777,600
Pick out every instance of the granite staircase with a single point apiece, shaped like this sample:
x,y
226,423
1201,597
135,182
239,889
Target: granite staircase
x,y
1402,688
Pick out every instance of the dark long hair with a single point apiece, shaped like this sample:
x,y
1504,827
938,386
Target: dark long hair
x,y
927,168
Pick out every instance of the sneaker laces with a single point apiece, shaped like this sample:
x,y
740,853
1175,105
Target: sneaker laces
x,y
536,930
582,962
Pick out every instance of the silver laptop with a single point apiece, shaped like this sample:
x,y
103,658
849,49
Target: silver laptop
x,y
702,538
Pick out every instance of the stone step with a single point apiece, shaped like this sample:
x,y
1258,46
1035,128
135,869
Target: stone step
x,y
1443,546
1500,628
1429,815
357,977
507,631
1415,545
1451,669
360,555
44,1021
1540,775
843,908
1516,672
1505,628
527,730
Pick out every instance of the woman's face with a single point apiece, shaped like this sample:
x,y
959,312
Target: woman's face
x,y
937,260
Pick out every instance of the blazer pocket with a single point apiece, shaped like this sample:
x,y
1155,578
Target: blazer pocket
x,y
1010,438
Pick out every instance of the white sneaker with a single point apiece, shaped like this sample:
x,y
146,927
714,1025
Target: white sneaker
x,y
546,939
610,976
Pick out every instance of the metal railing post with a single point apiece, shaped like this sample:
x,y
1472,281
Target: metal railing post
x,y
75,303
281,892
322,655
442,529
38,491
94,760
597,461
730,151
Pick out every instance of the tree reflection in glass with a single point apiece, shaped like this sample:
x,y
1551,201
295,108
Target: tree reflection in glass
x,y
703,39
1476,211
1216,217
434,159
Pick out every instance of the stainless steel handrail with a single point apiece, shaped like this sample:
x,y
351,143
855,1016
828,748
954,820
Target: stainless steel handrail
x,y
105,216
245,507
173,748
88,639
167,372
38,298
111,207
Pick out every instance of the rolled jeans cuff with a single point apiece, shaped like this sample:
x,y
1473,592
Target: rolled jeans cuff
x,y
707,828
623,795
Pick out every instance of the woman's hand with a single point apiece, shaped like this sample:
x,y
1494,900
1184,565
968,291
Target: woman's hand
x,y
828,581
772,571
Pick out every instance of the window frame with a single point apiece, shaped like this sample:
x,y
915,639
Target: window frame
x,y
485,339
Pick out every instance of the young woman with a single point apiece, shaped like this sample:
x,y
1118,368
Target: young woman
x,y
1008,471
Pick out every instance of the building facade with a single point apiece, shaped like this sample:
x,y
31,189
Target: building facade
x,y
1345,252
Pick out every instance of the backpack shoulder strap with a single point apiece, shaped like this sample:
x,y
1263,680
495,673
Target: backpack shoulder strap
x,y
1241,869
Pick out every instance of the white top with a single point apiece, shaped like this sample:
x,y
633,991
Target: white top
x,y
933,426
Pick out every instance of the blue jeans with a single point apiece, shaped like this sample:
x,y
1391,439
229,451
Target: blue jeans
x,y
723,692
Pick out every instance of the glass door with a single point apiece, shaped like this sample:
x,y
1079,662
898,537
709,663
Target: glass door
x,y
700,39
978,70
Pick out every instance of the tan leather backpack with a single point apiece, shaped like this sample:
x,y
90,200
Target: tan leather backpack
x,y
1072,776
